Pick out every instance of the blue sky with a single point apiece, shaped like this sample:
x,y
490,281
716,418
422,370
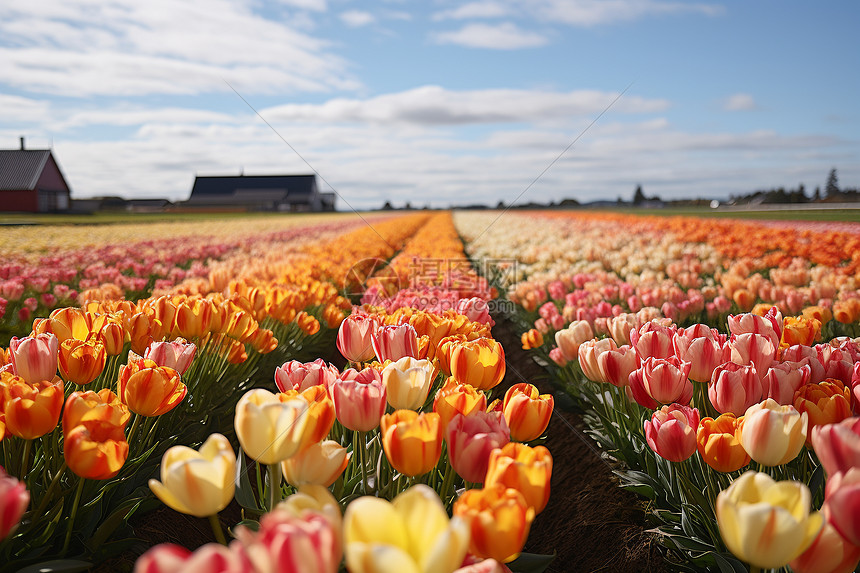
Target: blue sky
x,y
437,102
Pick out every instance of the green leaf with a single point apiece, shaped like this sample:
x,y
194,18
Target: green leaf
x,y
531,563
251,524
58,566
244,493
730,565
109,525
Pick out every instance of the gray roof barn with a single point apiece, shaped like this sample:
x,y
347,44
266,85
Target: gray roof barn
x,y
260,193
31,181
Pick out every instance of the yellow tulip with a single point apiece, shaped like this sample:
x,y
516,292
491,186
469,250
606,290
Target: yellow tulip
x,y
321,463
197,483
408,382
270,430
764,522
773,434
411,534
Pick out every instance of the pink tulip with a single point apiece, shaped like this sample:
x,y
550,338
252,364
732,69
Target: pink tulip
x,y
671,432
661,380
588,354
359,399
557,356
471,439
838,445
837,362
286,543
653,340
783,379
734,388
829,553
755,349
394,341
35,358
806,355
210,558
14,499
355,336
177,354
620,327
769,326
842,504
701,348
616,365
475,309
295,375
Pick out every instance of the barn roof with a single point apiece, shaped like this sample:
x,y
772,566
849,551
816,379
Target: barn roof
x,y
294,186
20,169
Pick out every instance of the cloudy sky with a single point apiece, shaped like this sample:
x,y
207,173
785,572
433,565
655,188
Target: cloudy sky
x,y
437,101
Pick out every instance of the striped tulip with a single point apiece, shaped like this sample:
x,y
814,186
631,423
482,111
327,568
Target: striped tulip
x,y
499,518
149,389
34,358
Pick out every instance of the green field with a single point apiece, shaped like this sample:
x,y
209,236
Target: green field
x,y
111,218
852,215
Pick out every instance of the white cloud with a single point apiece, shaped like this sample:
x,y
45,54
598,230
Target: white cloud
x,y
434,105
474,10
357,18
124,47
595,12
740,102
504,36
16,109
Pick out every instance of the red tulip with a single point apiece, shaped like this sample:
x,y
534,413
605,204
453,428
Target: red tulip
x,y
653,340
671,432
471,439
842,504
702,349
755,349
769,325
295,375
734,388
394,341
14,499
616,365
589,352
661,381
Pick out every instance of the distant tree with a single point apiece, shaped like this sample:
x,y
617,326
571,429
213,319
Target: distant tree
x,y
638,196
387,206
500,205
817,195
619,200
408,206
832,187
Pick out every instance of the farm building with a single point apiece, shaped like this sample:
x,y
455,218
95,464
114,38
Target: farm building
x,y
259,193
31,181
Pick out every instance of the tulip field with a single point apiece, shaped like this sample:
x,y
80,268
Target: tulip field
x,y
325,393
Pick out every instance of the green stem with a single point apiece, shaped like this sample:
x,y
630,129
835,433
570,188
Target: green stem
x,y
362,453
72,516
446,483
217,529
274,485
133,431
47,497
25,459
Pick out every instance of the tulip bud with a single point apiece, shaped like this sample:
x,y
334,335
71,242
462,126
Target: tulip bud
x,y
14,499
734,388
661,381
81,361
393,342
671,432
148,389
588,354
718,442
95,449
616,365
407,382
527,470
471,439
355,336
359,399
31,410
177,354
34,358
270,430
454,398
412,441
499,518
764,522
527,412
772,434
319,464
480,363
294,375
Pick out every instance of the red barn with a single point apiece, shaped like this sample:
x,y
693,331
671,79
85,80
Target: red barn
x,y
31,181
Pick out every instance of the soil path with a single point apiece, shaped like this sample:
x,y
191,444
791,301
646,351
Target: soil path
x,y
590,523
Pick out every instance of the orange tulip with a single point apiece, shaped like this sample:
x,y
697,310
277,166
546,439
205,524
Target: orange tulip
x,y
149,389
412,441
194,317
32,410
499,518
820,313
800,330
455,398
532,339
321,464
527,470
320,415
479,362
144,329
827,402
719,443
95,449
81,361
109,330
307,323
527,411
103,406
67,323
444,350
